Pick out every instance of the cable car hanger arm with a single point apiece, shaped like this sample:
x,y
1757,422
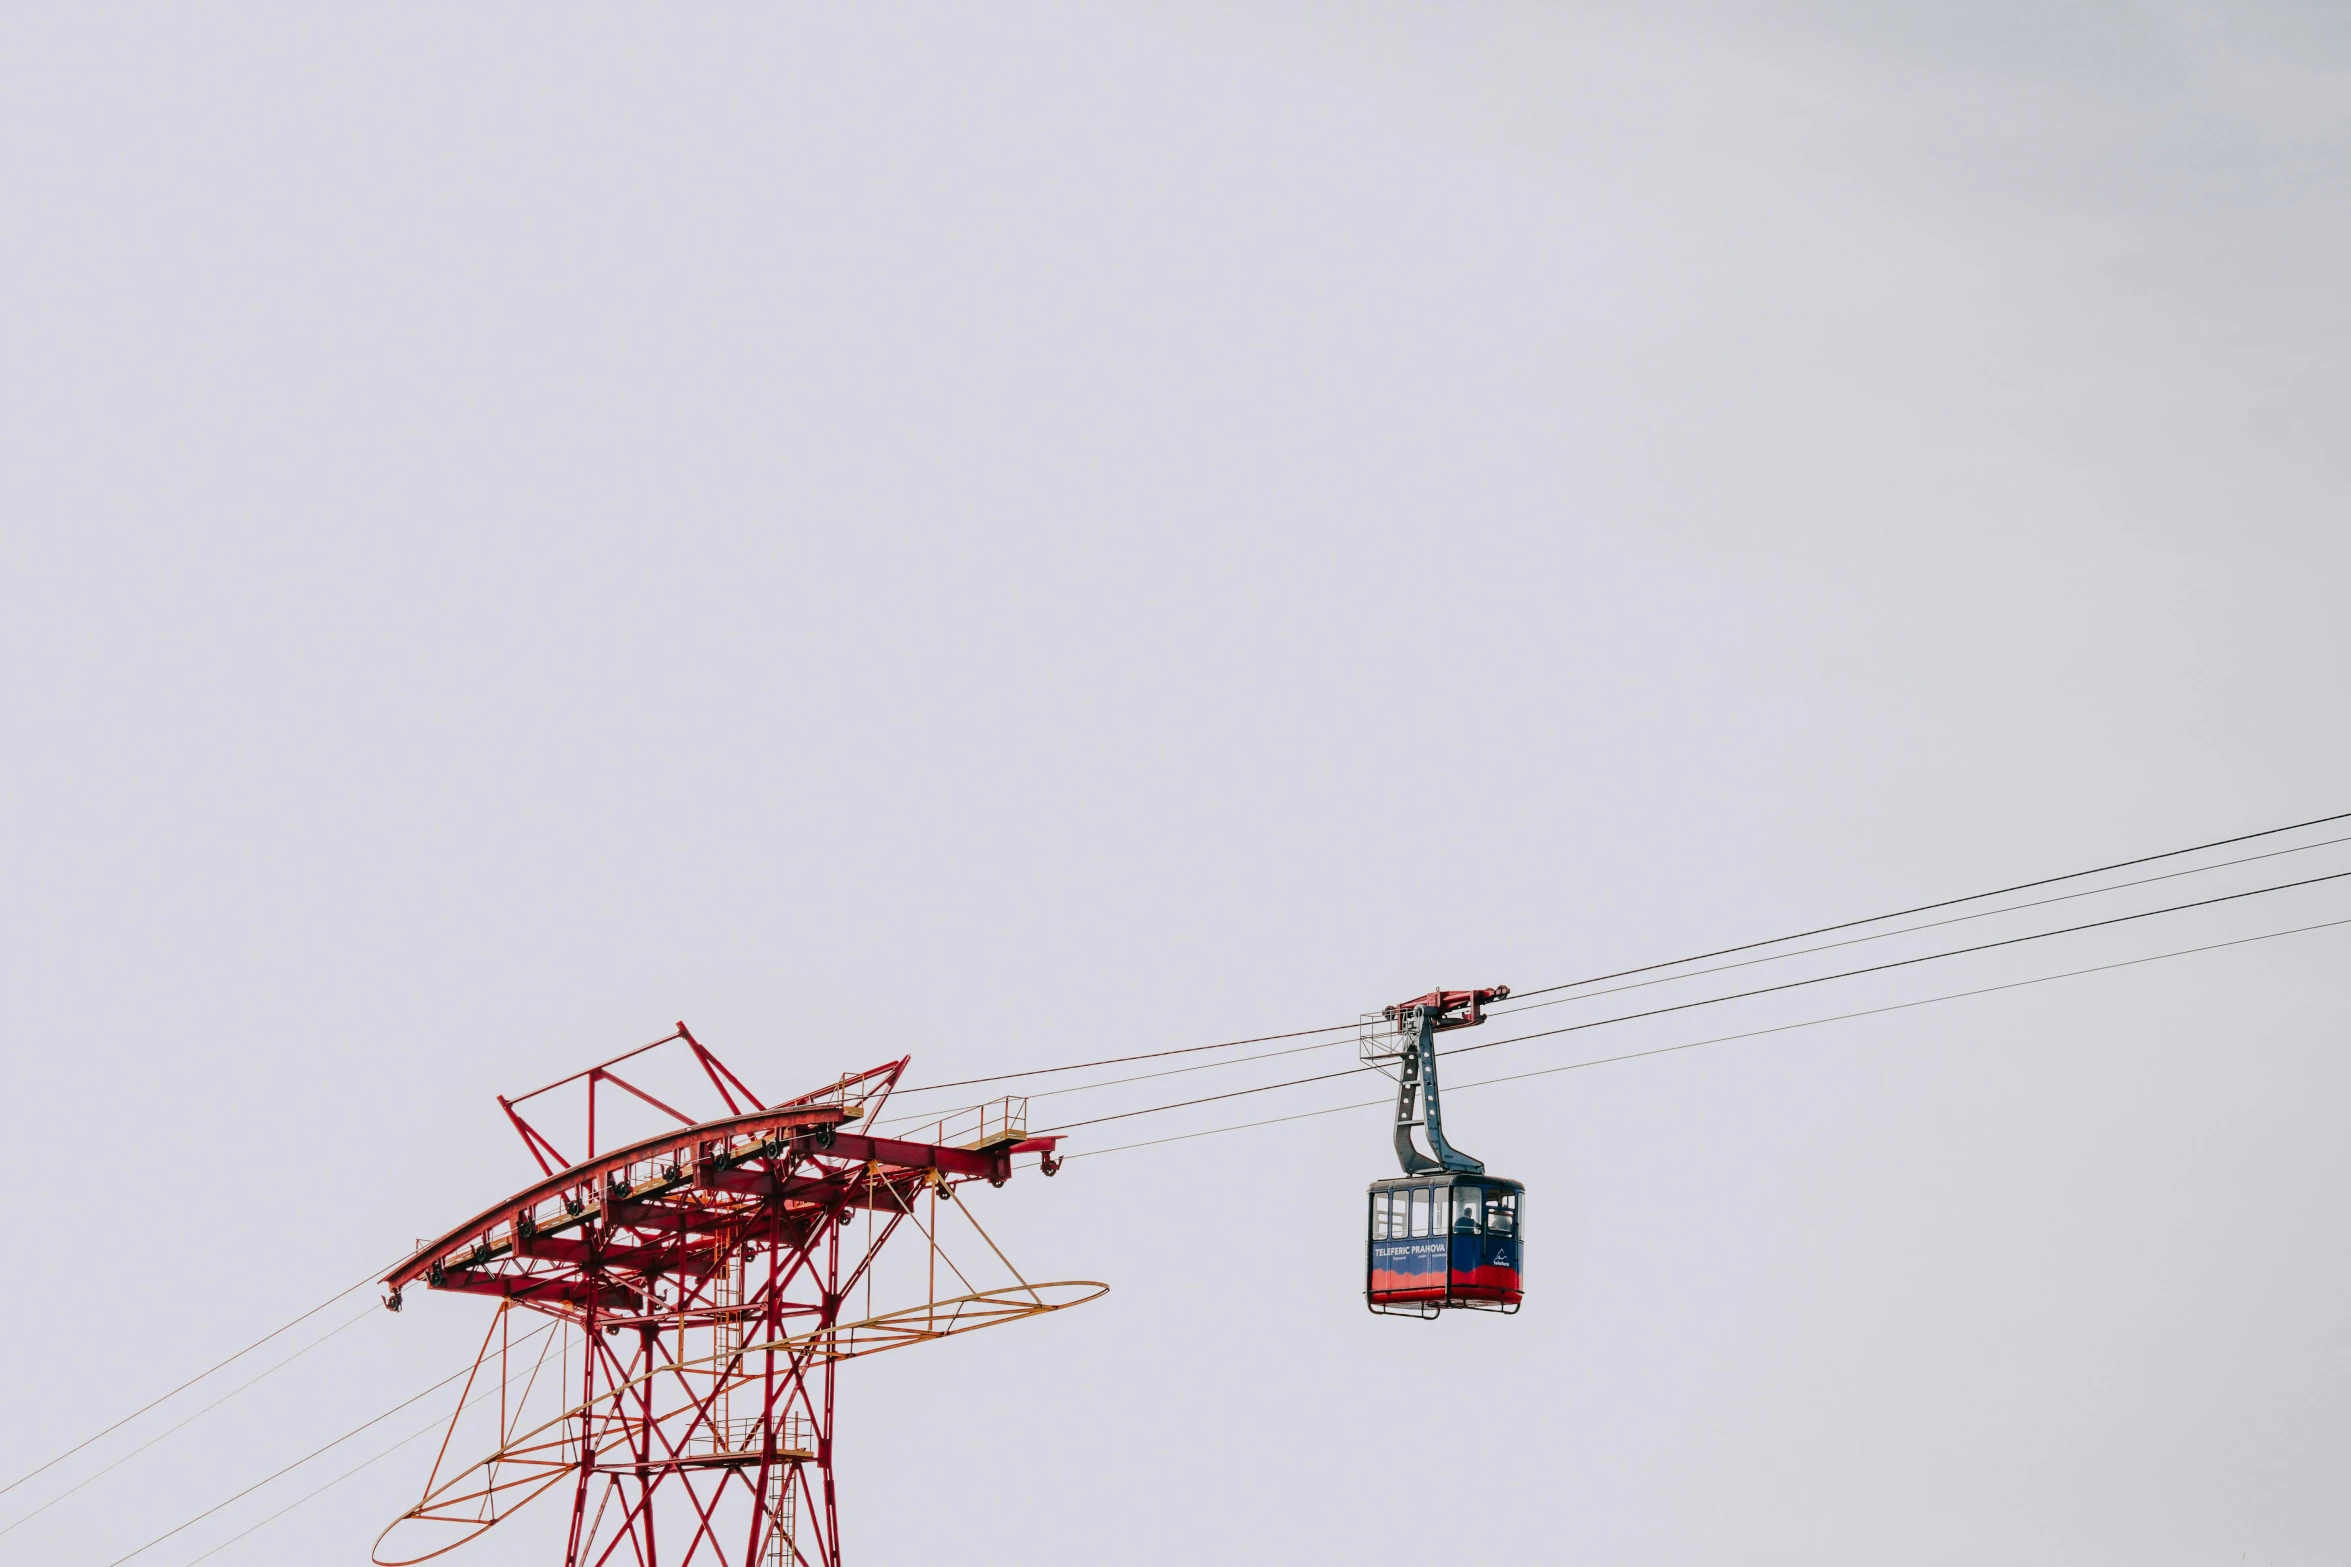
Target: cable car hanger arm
x,y
1424,1017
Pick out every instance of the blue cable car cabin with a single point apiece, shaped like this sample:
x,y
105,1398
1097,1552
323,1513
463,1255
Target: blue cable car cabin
x,y
1443,1240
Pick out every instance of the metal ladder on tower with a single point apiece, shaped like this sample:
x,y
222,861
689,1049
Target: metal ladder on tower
x,y
783,1510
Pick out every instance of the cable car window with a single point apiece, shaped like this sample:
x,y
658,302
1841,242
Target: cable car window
x,y
1420,1211
1502,1213
1465,1210
1379,1216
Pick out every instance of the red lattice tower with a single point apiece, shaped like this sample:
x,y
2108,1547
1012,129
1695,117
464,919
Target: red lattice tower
x,y
692,1297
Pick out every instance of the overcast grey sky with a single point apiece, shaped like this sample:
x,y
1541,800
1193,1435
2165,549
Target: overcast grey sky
x,y
1024,533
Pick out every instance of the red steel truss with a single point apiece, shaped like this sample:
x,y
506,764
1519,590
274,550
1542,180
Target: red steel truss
x,y
693,1296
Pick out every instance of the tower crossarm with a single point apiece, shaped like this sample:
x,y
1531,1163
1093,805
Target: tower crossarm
x,y
699,1181
655,1166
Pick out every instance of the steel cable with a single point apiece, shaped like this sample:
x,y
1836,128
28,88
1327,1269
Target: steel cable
x,y
1908,930
311,1496
315,1452
1926,908
1667,979
1708,1001
1650,968
1148,1055
94,1477
1754,1033
163,1398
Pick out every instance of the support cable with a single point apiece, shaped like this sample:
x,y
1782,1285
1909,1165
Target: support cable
x,y
412,1437
416,1435
1387,1101
1668,979
1148,1055
1908,930
191,1382
1742,995
92,1478
1926,908
315,1452
1648,968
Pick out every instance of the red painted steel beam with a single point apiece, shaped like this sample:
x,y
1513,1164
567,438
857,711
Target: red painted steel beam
x,y
834,1189
749,1183
919,1156
634,1259
569,1289
590,1175
653,1212
1449,1005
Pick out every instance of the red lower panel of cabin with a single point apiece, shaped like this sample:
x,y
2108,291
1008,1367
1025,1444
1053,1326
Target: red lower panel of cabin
x,y
1497,1284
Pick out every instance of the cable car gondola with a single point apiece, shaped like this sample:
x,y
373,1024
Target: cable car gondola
x,y
1444,1235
